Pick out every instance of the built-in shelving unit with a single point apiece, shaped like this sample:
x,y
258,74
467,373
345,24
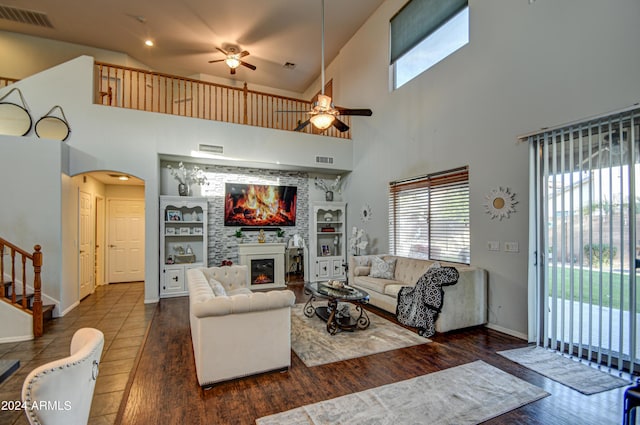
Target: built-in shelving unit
x,y
327,241
183,241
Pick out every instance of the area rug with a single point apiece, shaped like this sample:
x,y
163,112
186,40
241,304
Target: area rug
x,y
466,394
579,376
315,346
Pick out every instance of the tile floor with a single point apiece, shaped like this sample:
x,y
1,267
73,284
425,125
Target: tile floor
x,y
118,310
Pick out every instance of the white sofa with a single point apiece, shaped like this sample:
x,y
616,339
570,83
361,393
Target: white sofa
x,y
464,304
238,332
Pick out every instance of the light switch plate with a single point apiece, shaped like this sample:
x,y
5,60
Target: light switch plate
x,y
511,247
493,245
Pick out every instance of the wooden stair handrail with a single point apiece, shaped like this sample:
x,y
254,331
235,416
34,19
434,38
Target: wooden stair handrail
x,y
36,260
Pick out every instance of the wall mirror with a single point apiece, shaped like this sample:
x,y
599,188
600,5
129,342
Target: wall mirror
x,y
52,127
14,119
500,203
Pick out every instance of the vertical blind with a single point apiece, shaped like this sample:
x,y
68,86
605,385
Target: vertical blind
x,y
429,216
417,20
585,176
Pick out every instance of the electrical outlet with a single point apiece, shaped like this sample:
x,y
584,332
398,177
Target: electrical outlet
x,y
511,247
493,245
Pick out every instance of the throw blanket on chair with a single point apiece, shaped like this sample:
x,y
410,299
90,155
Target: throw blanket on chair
x,y
419,306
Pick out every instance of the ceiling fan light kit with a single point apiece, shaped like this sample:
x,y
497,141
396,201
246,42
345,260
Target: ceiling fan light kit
x,y
233,59
322,121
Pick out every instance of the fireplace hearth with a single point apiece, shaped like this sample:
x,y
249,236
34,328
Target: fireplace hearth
x,y
262,271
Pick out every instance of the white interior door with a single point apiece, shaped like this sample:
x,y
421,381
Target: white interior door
x,y
85,236
126,240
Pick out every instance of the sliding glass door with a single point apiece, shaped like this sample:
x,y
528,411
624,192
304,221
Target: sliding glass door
x,y
584,182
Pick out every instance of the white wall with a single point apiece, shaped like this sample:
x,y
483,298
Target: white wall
x,y
107,138
527,66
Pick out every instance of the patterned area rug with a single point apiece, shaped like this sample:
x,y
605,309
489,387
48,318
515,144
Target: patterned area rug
x,y
315,346
579,376
467,394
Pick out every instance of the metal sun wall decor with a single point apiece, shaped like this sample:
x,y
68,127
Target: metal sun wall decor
x,y
500,203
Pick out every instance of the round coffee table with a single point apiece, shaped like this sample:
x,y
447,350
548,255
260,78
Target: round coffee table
x,y
337,319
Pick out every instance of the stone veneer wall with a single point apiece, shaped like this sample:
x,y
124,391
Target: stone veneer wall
x,y
223,245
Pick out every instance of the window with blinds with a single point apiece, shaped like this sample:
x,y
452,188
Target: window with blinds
x,y
423,33
429,216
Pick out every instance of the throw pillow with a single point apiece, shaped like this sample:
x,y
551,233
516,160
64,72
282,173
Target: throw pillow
x,y
217,288
362,271
383,269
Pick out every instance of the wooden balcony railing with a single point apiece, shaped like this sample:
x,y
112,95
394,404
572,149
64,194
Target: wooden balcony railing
x,y
155,92
4,81
22,300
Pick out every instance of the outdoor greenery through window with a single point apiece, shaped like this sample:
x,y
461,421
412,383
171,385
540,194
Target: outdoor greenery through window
x,y
429,216
423,33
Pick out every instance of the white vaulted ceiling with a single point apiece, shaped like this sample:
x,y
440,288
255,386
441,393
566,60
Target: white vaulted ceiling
x,y
187,32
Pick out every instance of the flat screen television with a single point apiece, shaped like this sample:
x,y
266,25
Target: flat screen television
x,y
258,205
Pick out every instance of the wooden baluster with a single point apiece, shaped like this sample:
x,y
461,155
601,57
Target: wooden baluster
x,y
244,95
24,282
13,276
38,327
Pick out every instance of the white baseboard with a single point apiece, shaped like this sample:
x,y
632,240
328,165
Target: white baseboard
x,y
71,307
16,339
507,331
152,301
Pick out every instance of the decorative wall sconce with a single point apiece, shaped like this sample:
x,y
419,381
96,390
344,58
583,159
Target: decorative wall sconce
x,y
52,127
500,203
14,119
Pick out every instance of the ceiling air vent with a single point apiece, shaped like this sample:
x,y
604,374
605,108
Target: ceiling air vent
x,y
25,16
324,160
210,148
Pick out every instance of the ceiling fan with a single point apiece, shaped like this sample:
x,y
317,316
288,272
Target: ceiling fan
x,y
324,114
234,58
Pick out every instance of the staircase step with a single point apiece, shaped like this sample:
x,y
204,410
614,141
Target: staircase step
x,y
47,311
7,288
29,298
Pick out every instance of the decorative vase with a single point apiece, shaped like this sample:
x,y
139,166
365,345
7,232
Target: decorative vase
x,y
328,195
183,189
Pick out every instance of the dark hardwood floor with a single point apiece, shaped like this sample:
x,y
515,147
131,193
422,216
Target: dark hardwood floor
x,y
164,390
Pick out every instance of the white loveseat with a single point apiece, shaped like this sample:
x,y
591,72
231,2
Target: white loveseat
x,y
464,304
237,332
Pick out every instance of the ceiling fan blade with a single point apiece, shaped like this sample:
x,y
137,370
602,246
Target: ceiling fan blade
x,y
302,125
217,60
248,65
340,126
244,53
222,51
360,112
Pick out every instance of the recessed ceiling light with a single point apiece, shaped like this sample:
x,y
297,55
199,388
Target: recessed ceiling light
x,y
123,178
149,43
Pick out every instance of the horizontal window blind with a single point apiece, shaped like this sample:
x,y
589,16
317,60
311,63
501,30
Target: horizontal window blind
x,y
417,20
429,216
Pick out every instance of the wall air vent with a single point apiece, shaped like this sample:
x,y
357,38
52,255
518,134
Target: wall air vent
x,y
25,16
210,148
324,160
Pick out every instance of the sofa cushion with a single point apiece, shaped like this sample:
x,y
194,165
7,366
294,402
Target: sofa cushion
x,y
369,283
217,288
362,271
383,268
392,290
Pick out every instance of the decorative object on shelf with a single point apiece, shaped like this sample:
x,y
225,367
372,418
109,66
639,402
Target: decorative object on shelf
x,y
325,251
170,260
280,235
189,250
365,213
197,230
174,215
329,189
186,177
328,217
238,234
184,231
500,203
179,249
226,263
357,241
261,236
328,229
336,241
170,231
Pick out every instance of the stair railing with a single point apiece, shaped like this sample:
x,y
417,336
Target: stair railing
x,y
36,260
